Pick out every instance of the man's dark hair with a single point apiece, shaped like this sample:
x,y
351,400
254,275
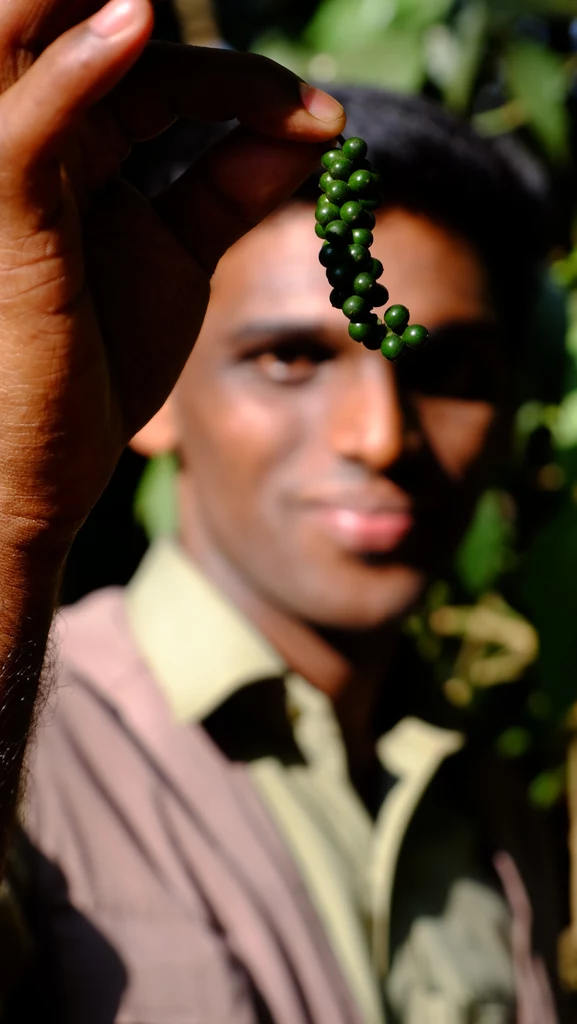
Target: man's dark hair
x,y
491,193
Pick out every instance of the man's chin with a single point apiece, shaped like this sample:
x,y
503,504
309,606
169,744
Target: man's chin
x,y
370,607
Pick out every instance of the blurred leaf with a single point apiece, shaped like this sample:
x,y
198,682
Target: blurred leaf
x,y
454,55
438,595
458,692
342,25
155,502
290,55
529,418
419,14
564,270
537,80
486,547
500,120
514,742
543,369
547,788
565,427
394,62
571,337
548,593
442,53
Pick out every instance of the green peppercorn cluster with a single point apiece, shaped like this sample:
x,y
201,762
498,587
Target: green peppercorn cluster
x,y
351,192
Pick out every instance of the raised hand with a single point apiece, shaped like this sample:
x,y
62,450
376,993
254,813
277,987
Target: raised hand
x,y
101,293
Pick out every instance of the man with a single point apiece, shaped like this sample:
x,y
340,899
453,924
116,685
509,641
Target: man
x,y
243,804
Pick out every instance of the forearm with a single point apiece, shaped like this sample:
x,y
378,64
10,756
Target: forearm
x,y
29,582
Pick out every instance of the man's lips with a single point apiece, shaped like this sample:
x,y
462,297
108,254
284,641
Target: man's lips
x,y
363,525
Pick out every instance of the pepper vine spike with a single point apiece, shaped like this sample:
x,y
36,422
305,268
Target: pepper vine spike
x,y
351,192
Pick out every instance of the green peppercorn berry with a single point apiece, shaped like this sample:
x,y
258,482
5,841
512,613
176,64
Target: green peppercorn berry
x,y
330,255
360,181
371,203
376,267
337,298
392,346
363,283
373,342
377,180
352,213
339,232
341,276
397,318
378,296
362,330
362,236
415,335
328,158
319,231
338,192
369,220
324,180
359,255
325,213
356,308
341,168
355,148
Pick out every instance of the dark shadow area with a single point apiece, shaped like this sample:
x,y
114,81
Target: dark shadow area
x,y
253,724
241,21
110,545
68,955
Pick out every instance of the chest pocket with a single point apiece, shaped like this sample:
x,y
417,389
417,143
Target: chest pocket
x,y
457,968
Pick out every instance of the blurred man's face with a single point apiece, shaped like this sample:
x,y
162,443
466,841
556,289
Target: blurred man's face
x,y
332,482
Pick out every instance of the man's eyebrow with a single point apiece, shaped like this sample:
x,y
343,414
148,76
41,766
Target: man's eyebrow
x,y
479,328
266,328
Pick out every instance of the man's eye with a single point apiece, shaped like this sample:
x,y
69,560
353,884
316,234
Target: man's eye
x,y
454,367
447,374
291,363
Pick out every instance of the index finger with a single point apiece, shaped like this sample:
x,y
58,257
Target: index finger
x,y
209,84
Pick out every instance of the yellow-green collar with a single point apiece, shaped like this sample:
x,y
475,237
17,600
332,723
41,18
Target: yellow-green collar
x,y
198,646
201,650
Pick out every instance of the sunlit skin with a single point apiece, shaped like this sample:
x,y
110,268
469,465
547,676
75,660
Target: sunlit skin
x,y
321,486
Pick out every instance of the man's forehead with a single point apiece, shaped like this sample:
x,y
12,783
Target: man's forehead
x,y
275,269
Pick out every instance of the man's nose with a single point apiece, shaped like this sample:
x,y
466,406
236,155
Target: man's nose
x,y
367,422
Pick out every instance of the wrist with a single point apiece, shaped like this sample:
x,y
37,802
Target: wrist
x,y
32,559
38,538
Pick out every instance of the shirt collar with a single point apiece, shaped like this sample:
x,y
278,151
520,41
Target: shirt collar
x,y
201,650
198,646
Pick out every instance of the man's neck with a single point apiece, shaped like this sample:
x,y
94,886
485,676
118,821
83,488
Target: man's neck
x,y
348,667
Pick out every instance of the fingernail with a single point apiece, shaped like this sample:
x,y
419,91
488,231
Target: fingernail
x,y
112,19
320,104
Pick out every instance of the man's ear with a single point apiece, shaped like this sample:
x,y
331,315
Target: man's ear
x,y
159,434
